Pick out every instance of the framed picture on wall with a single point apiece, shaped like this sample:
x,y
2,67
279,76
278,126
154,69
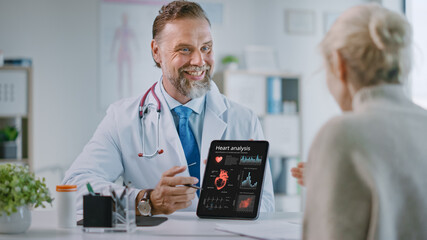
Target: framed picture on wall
x,y
260,58
300,21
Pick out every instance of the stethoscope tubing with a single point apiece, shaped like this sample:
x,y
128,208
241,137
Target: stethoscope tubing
x,y
141,104
142,115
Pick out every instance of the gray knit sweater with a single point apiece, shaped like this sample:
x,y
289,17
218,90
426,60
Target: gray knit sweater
x,y
366,175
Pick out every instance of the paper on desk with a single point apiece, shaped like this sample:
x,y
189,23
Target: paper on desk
x,y
267,229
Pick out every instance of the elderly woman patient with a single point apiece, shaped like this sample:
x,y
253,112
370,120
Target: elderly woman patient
x,y
366,175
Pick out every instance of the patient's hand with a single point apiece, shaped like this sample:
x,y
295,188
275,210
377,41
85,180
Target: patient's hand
x,y
298,173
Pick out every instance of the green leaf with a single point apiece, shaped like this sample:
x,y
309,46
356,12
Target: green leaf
x,y
230,59
19,186
9,133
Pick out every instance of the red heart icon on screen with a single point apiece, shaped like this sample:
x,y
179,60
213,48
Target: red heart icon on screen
x,y
218,159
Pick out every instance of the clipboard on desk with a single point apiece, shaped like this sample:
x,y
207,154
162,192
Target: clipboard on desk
x,y
233,180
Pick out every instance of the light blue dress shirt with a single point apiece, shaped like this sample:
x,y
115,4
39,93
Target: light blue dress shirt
x,y
196,118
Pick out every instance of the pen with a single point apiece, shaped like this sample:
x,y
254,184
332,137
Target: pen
x,y
124,192
90,189
193,186
113,193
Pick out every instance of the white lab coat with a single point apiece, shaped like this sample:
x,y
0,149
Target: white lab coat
x,y
113,150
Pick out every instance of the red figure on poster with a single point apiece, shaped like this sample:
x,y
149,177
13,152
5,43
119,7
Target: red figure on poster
x,y
221,180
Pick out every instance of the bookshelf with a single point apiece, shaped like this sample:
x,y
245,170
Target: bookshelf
x,y
16,110
275,97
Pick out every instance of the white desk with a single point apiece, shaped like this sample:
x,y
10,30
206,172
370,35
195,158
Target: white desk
x,y
180,225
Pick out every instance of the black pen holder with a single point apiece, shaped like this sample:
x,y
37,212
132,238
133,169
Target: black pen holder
x,y
97,211
109,214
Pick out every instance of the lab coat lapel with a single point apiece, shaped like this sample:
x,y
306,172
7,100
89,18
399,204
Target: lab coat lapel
x,y
168,134
213,125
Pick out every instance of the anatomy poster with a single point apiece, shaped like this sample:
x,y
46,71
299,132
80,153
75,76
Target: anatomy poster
x,y
233,178
126,67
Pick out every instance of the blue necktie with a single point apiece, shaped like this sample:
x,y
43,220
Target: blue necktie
x,y
188,141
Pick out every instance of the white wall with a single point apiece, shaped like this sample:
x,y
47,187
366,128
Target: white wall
x,y
415,10
61,37
300,54
395,5
248,22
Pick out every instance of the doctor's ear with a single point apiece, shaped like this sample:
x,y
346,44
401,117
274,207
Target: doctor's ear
x,y
155,52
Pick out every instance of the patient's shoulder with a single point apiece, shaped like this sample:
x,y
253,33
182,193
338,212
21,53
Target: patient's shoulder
x,y
341,125
333,143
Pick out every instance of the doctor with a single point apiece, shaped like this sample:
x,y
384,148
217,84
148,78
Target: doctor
x,y
193,113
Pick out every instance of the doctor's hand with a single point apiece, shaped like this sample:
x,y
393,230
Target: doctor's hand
x,y
298,173
167,197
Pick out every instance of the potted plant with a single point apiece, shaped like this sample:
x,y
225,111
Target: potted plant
x,y
20,190
231,62
8,146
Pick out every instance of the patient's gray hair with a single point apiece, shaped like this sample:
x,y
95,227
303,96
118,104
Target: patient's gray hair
x,y
375,43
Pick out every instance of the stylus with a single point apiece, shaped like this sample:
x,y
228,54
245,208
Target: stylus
x,y
193,186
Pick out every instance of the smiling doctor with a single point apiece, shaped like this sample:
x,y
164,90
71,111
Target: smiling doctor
x,y
192,114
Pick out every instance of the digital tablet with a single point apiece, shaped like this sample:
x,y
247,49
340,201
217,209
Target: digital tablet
x,y
233,179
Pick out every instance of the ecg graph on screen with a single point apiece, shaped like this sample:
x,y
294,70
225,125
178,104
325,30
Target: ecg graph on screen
x,y
216,202
247,183
250,160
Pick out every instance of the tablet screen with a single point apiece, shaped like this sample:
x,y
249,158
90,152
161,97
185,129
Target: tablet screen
x,y
233,179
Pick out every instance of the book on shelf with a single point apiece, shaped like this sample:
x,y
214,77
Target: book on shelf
x,y
13,93
274,95
23,62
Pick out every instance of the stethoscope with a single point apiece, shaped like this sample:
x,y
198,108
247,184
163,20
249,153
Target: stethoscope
x,y
142,114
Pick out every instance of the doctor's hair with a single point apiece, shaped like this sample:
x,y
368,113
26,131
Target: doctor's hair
x,y
374,42
176,10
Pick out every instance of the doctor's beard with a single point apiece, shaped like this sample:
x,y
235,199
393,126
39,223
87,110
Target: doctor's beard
x,y
189,88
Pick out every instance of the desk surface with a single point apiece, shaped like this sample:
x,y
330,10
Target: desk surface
x,y
181,225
